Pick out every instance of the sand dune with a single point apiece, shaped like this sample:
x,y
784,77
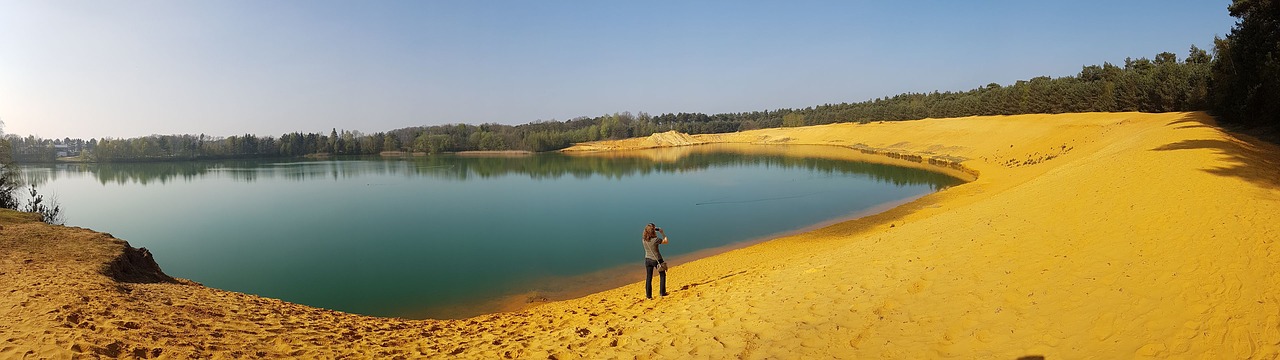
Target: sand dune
x,y
1098,235
664,139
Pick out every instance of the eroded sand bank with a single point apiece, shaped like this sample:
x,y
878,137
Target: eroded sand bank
x,y
1109,235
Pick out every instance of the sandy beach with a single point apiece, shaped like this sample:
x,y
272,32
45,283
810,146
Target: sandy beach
x,y
1094,235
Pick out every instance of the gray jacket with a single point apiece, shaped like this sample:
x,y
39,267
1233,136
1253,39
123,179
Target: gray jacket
x,y
651,248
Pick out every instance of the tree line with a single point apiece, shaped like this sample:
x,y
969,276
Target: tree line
x,y
1239,82
1163,84
11,189
1246,70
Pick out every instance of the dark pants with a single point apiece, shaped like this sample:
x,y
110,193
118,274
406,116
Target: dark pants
x,y
648,279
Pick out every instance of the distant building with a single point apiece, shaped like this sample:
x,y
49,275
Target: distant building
x,y
62,150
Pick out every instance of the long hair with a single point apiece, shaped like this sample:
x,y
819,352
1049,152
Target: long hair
x,y
650,232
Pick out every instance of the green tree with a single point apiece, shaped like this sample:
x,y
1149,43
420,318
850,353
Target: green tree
x,y
1246,71
50,212
1198,56
391,143
433,144
332,143
793,120
10,179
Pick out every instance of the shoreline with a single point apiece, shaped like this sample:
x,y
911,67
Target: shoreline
x,y
562,288
1113,235
950,166
495,153
492,153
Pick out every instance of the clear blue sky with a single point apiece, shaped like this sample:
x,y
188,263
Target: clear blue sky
x,y
132,68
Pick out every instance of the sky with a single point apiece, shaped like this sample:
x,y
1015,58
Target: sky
x,y
94,69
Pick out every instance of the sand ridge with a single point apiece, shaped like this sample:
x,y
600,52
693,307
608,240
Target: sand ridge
x,y
657,140
1112,235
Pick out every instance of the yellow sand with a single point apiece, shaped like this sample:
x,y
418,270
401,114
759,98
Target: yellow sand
x,y
1100,235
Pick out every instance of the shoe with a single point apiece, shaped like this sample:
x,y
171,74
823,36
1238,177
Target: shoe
x,y
664,294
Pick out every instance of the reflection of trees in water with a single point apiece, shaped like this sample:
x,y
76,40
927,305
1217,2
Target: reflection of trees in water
x,y
539,166
582,167
37,176
124,173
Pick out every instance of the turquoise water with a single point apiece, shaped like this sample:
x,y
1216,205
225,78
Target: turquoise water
x,y
427,236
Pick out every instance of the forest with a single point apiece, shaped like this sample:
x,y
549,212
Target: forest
x,y
1239,83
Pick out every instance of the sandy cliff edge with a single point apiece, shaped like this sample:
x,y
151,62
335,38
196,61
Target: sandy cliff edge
x,y
1110,235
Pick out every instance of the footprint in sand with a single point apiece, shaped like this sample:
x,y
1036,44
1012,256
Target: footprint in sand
x,y
1241,343
1104,327
918,286
1271,330
1152,350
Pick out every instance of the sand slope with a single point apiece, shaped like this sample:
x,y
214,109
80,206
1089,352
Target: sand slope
x,y
1109,235
664,139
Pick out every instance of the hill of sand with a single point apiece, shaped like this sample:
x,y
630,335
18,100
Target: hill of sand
x,y
1098,235
657,140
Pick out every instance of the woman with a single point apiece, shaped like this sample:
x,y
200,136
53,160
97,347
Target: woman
x,y
652,258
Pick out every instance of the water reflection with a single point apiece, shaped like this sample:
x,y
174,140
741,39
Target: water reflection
x,y
612,165
443,236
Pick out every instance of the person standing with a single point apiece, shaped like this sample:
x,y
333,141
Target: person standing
x,y
653,259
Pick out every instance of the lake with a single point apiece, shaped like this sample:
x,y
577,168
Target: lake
x,y
452,235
